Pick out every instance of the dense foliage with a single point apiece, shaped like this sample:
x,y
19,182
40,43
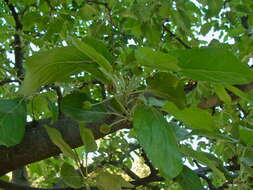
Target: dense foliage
x,y
134,94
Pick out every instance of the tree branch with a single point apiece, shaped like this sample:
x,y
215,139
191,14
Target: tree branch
x,y
213,101
177,38
6,81
18,51
36,144
11,186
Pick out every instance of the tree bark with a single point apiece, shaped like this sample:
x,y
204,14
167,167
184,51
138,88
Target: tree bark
x,y
36,144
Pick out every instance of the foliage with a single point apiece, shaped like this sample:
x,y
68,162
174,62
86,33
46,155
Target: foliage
x,y
167,83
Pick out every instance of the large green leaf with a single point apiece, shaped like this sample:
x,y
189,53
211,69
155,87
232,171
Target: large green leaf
x,y
193,117
70,176
213,65
72,106
168,86
156,59
158,140
189,180
56,65
12,122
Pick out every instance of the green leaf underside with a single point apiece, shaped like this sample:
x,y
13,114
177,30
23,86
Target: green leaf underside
x,y
193,117
58,140
93,54
88,139
215,65
158,140
72,107
189,180
156,60
168,86
107,181
56,65
12,122
70,176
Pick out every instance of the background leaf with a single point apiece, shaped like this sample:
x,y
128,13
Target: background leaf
x,y
70,176
12,121
213,65
189,180
193,117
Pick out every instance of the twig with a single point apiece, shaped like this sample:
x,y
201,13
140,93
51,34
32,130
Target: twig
x,y
177,38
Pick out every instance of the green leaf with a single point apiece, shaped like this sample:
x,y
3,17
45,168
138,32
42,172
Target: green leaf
x,y
206,159
156,59
239,93
222,94
214,7
246,135
107,181
167,86
193,117
88,12
93,54
56,65
215,65
58,140
72,106
88,139
12,122
70,176
158,140
189,180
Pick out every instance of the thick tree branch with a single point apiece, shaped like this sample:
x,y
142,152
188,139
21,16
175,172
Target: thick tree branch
x,y
36,144
11,186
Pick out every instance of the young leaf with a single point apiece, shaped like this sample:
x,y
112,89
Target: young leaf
x,y
158,140
156,59
57,139
193,117
70,176
56,65
88,139
189,180
72,106
215,65
12,122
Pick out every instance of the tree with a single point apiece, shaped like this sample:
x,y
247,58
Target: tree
x,y
139,77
